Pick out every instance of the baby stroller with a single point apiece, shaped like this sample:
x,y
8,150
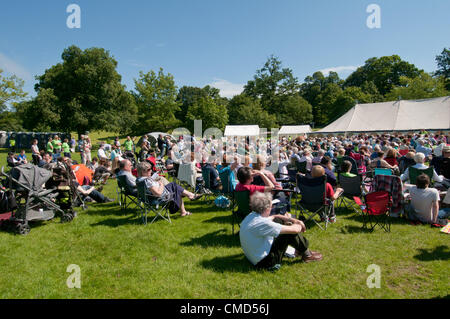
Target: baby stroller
x,y
63,180
34,202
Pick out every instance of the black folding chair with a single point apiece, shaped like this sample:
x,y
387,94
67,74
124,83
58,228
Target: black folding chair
x,y
313,200
352,188
151,203
125,193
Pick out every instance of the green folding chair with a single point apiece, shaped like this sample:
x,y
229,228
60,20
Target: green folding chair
x,y
415,172
241,207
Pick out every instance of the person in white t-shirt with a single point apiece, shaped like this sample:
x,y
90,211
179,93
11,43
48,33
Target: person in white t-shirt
x,y
424,202
265,241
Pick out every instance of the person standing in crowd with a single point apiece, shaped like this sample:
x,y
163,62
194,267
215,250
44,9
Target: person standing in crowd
x,y
73,144
12,143
49,148
129,145
57,145
87,146
66,148
35,152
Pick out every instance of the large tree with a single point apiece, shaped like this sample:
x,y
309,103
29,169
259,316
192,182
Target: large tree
x,y
213,115
189,96
422,87
156,99
84,92
243,110
271,82
443,62
11,91
321,91
384,72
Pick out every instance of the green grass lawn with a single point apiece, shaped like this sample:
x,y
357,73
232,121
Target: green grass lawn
x,y
198,257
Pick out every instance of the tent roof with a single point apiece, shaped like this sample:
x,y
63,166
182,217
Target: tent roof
x,y
408,115
292,129
242,130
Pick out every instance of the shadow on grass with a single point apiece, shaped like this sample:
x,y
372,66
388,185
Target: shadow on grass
x,y
355,230
219,220
219,238
131,220
234,263
437,253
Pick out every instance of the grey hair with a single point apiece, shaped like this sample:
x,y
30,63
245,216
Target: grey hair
x,y
260,202
142,168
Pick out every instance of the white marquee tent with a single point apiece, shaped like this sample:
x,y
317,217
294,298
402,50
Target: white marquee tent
x,y
408,115
242,130
290,130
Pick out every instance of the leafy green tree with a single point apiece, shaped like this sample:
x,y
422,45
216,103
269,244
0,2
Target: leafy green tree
x,y
294,110
348,99
10,122
213,115
245,110
443,62
384,72
189,95
271,82
41,113
422,87
11,90
321,92
84,92
156,100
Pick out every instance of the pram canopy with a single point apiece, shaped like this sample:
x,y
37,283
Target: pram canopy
x,y
31,176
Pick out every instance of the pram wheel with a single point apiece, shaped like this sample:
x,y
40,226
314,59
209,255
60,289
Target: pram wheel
x,y
23,229
67,217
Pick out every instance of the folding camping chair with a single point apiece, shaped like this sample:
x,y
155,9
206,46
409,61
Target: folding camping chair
x,y
354,169
241,207
124,193
209,192
313,199
352,188
382,171
301,167
415,172
376,207
151,203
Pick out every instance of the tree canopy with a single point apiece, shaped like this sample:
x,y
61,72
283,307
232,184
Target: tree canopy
x,y
84,92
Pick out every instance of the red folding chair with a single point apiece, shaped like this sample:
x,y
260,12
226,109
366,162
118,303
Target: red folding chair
x,y
376,208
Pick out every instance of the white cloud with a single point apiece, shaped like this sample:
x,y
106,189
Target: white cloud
x,y
12,67
227,89
339,69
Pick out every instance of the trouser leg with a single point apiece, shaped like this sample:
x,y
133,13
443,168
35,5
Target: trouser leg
x,y
279,247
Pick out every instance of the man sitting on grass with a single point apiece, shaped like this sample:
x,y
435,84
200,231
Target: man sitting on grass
x,y
265,241
425,203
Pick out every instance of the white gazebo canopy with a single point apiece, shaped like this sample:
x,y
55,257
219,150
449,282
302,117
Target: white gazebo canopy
x,y
294,130
242,130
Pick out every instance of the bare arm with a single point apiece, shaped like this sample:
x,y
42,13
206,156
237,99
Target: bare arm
x,y
157,190
269,185
434,211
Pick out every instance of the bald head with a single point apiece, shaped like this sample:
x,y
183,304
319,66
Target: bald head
x,y
125,165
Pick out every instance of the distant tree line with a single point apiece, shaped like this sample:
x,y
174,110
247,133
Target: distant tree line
x,y
84,92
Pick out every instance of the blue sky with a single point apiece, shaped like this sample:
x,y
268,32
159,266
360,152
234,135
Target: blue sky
x,y
222,43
